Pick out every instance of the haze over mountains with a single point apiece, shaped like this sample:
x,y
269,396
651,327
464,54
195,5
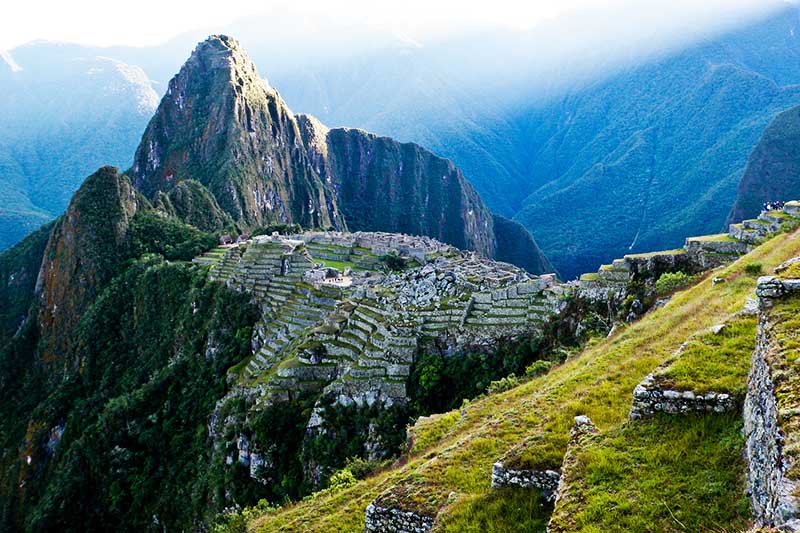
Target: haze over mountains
x,y
597,150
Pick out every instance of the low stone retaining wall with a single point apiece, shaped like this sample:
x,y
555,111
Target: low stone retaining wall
x,y
649,399
770,287
772,493
385,520
546,481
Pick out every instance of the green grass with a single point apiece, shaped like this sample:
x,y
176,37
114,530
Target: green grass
x,y
720,237
670,473
793,272
677,251
509,509
598,383
590,276
784,358
339,265
717,363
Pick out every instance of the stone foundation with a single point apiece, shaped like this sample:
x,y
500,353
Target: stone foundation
x,y
649,399
546,481
385,520
772,493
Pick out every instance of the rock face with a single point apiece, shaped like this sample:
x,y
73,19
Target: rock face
x,y
82,254
773,169
515,244
224,126
384,185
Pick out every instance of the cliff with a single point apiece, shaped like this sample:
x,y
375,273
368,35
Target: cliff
x,y
224,126
773,169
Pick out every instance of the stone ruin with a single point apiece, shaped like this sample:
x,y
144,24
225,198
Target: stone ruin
x,y
356,341
769,425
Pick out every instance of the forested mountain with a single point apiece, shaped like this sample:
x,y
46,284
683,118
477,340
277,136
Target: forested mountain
x,y
773,169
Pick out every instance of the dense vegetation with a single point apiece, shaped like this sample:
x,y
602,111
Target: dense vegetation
x,y
134,447
773,168
19,268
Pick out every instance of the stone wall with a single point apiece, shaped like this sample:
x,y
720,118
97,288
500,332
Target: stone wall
x,y
772,493
385,520
649,398
544,480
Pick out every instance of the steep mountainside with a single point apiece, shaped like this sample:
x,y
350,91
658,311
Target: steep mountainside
x,y
223,126
84,252
654,154
383,185
65,111
773,170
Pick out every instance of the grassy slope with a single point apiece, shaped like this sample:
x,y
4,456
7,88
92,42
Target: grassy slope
x,y
597,383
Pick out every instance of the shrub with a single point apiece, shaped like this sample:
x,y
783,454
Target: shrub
x,y
672,281
394,262
753,269
342,478
502,385
361,468
537,368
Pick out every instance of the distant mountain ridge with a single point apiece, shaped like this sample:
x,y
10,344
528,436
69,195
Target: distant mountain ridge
x,y
60,120
628,156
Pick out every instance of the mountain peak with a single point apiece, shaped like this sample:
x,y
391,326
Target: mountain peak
x,y
223,53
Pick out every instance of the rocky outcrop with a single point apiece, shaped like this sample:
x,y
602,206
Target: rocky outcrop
x,y
773,169
222,125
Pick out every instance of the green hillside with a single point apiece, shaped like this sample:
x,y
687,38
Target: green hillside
x,y
697,479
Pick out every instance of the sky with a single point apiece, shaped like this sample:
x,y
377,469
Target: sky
x,y
149,22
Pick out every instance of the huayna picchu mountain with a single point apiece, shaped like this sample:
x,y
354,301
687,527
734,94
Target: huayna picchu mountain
x,y
225,127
